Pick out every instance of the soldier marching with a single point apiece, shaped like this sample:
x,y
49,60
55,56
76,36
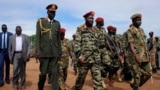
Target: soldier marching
x,y
94,48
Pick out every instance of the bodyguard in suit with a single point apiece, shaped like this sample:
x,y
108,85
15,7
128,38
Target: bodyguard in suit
x,y
48,47
19,48
4,40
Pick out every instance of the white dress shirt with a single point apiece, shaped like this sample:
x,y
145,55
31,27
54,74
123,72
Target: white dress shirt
x,y
18,43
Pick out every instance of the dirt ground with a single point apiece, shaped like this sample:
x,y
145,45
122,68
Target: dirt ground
x,y
32,72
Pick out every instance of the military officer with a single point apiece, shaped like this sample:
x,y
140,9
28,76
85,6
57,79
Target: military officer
x,y
87,49
48,47
74,58
151,44
114,53
64,60
137,53
105,59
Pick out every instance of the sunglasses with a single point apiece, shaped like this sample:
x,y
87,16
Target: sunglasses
x,y
52,11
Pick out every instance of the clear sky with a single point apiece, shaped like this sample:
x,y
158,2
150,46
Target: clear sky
x,y
70,13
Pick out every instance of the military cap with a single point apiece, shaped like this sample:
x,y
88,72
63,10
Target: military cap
x,y
114,29
99,19
88,14
74,35
62,30
137,15
52,7
151,32
110,27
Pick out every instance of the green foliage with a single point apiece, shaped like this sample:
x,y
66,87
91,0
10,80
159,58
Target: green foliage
x,y
32,40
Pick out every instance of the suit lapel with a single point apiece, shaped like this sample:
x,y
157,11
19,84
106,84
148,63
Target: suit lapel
x,y
14,42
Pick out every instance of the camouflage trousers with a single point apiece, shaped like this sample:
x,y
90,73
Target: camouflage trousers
x,y
96,76
62,77
141,74
63,71
105,58
153,60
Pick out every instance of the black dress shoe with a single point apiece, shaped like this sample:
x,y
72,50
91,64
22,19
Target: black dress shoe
x,y
7,81
1,84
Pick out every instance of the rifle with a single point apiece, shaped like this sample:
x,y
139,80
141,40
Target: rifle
x,y
115,50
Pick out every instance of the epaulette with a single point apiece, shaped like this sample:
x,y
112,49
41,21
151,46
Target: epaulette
x,y
40,19
82,26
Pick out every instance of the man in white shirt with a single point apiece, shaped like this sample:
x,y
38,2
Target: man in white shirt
x,y
19,48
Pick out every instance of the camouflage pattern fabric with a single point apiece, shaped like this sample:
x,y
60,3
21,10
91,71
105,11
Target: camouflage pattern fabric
x,y
102,48
74,58
115,62
64,62
142,72
86,44
153,52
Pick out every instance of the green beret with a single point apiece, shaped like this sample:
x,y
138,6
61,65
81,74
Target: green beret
x,y
137,15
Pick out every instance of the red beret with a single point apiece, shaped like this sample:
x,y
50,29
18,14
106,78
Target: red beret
x,y
74,35
110,27
151,32
99,19
88,14
52,7
114,29
62,30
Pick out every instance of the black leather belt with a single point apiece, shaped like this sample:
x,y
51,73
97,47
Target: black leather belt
x,y
17,51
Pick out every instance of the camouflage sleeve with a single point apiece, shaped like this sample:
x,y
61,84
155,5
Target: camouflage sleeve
x,y
69,45
77,42
129,36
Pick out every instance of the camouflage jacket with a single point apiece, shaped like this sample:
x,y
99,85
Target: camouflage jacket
x,y
137,37
66,48
153,42
86,43
102,34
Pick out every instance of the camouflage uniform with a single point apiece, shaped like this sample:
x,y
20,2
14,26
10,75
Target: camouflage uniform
x,y
64,62
113,53
119,40
142,72
86,45
158,53
74,58
152,51
105,59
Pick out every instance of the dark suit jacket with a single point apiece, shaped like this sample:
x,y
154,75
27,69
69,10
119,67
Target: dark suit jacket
x,y
8,35
48,38
25,47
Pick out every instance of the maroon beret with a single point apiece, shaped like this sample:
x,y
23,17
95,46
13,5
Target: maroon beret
x,y
62,30
114,29
151,32
74,35
88,14
99,19
110,27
